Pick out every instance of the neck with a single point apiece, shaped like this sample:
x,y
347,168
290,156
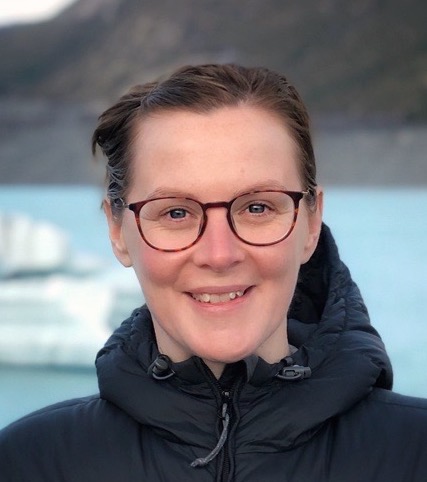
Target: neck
x,y
217,368
272,350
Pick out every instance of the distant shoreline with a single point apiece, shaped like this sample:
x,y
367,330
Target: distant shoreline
x,y
47,142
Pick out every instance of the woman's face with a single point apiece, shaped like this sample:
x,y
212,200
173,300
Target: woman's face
x,y
214,157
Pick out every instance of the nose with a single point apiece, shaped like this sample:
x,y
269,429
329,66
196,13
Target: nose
x,y
219,249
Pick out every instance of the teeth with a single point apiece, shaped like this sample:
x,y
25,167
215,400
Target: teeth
x,y
217,298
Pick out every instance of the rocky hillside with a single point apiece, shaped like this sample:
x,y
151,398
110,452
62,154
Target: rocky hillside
x,y
358,58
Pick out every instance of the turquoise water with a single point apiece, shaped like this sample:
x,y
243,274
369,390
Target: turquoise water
x,y
381,234
25,389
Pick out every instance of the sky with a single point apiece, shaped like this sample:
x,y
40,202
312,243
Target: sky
x,y
18,11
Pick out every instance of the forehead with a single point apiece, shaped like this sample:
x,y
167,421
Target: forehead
x,y
229,149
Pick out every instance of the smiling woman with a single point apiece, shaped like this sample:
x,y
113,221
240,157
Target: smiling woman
x,y
219,263
253,358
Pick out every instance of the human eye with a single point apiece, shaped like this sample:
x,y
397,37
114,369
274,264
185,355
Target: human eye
x,y
177,214
257,204
161,209
250,210
258,207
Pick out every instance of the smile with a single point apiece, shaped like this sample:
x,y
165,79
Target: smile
x,y
217,298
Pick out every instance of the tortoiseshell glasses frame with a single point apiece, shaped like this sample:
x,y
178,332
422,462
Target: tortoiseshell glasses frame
x,y
197,229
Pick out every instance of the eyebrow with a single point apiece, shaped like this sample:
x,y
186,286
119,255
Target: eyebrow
x,y
166,191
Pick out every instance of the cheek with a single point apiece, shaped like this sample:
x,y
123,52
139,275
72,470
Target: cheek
x,y
280,272
283,264
155,272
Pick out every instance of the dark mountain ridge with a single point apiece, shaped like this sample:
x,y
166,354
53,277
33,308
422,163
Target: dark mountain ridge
x,y
356,58
360,65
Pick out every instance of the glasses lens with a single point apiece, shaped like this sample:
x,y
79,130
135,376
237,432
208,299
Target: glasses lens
x,y
170,223
264,217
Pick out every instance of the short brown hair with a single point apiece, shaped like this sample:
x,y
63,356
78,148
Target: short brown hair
x,y
201,89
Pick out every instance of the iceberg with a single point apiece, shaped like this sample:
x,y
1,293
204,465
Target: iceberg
x,y
56,306
27,246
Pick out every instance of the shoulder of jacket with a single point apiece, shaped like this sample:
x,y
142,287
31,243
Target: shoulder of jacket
x,y
68,418
382,437
389,412
77,434
392,399
55,412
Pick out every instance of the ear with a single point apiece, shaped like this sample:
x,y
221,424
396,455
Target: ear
x,y
314,226
115,228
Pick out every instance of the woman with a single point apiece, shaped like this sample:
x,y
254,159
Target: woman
x,y
254,358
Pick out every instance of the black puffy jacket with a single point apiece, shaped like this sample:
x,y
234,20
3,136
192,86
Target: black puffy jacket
x,y
326,414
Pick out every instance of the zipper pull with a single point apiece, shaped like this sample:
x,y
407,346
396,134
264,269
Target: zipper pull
x,y
225,417
224,414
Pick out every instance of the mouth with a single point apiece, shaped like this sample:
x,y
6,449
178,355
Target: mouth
x,y
213,298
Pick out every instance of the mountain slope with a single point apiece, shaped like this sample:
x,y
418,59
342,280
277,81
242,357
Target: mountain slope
x,y
357,58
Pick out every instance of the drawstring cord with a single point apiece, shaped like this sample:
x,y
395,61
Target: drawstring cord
x,y
161,369
202,461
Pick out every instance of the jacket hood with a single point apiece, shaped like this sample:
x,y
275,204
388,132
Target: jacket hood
x,y
329,325
332,315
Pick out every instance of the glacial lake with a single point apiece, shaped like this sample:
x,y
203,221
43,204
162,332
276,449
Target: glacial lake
x,y
381,234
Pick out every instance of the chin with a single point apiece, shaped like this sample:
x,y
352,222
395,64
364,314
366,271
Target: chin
x,y
224,355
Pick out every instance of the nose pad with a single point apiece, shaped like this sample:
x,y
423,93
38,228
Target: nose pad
x,y
218,247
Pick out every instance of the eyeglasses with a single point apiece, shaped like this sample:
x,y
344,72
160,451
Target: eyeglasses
x,y
258,218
